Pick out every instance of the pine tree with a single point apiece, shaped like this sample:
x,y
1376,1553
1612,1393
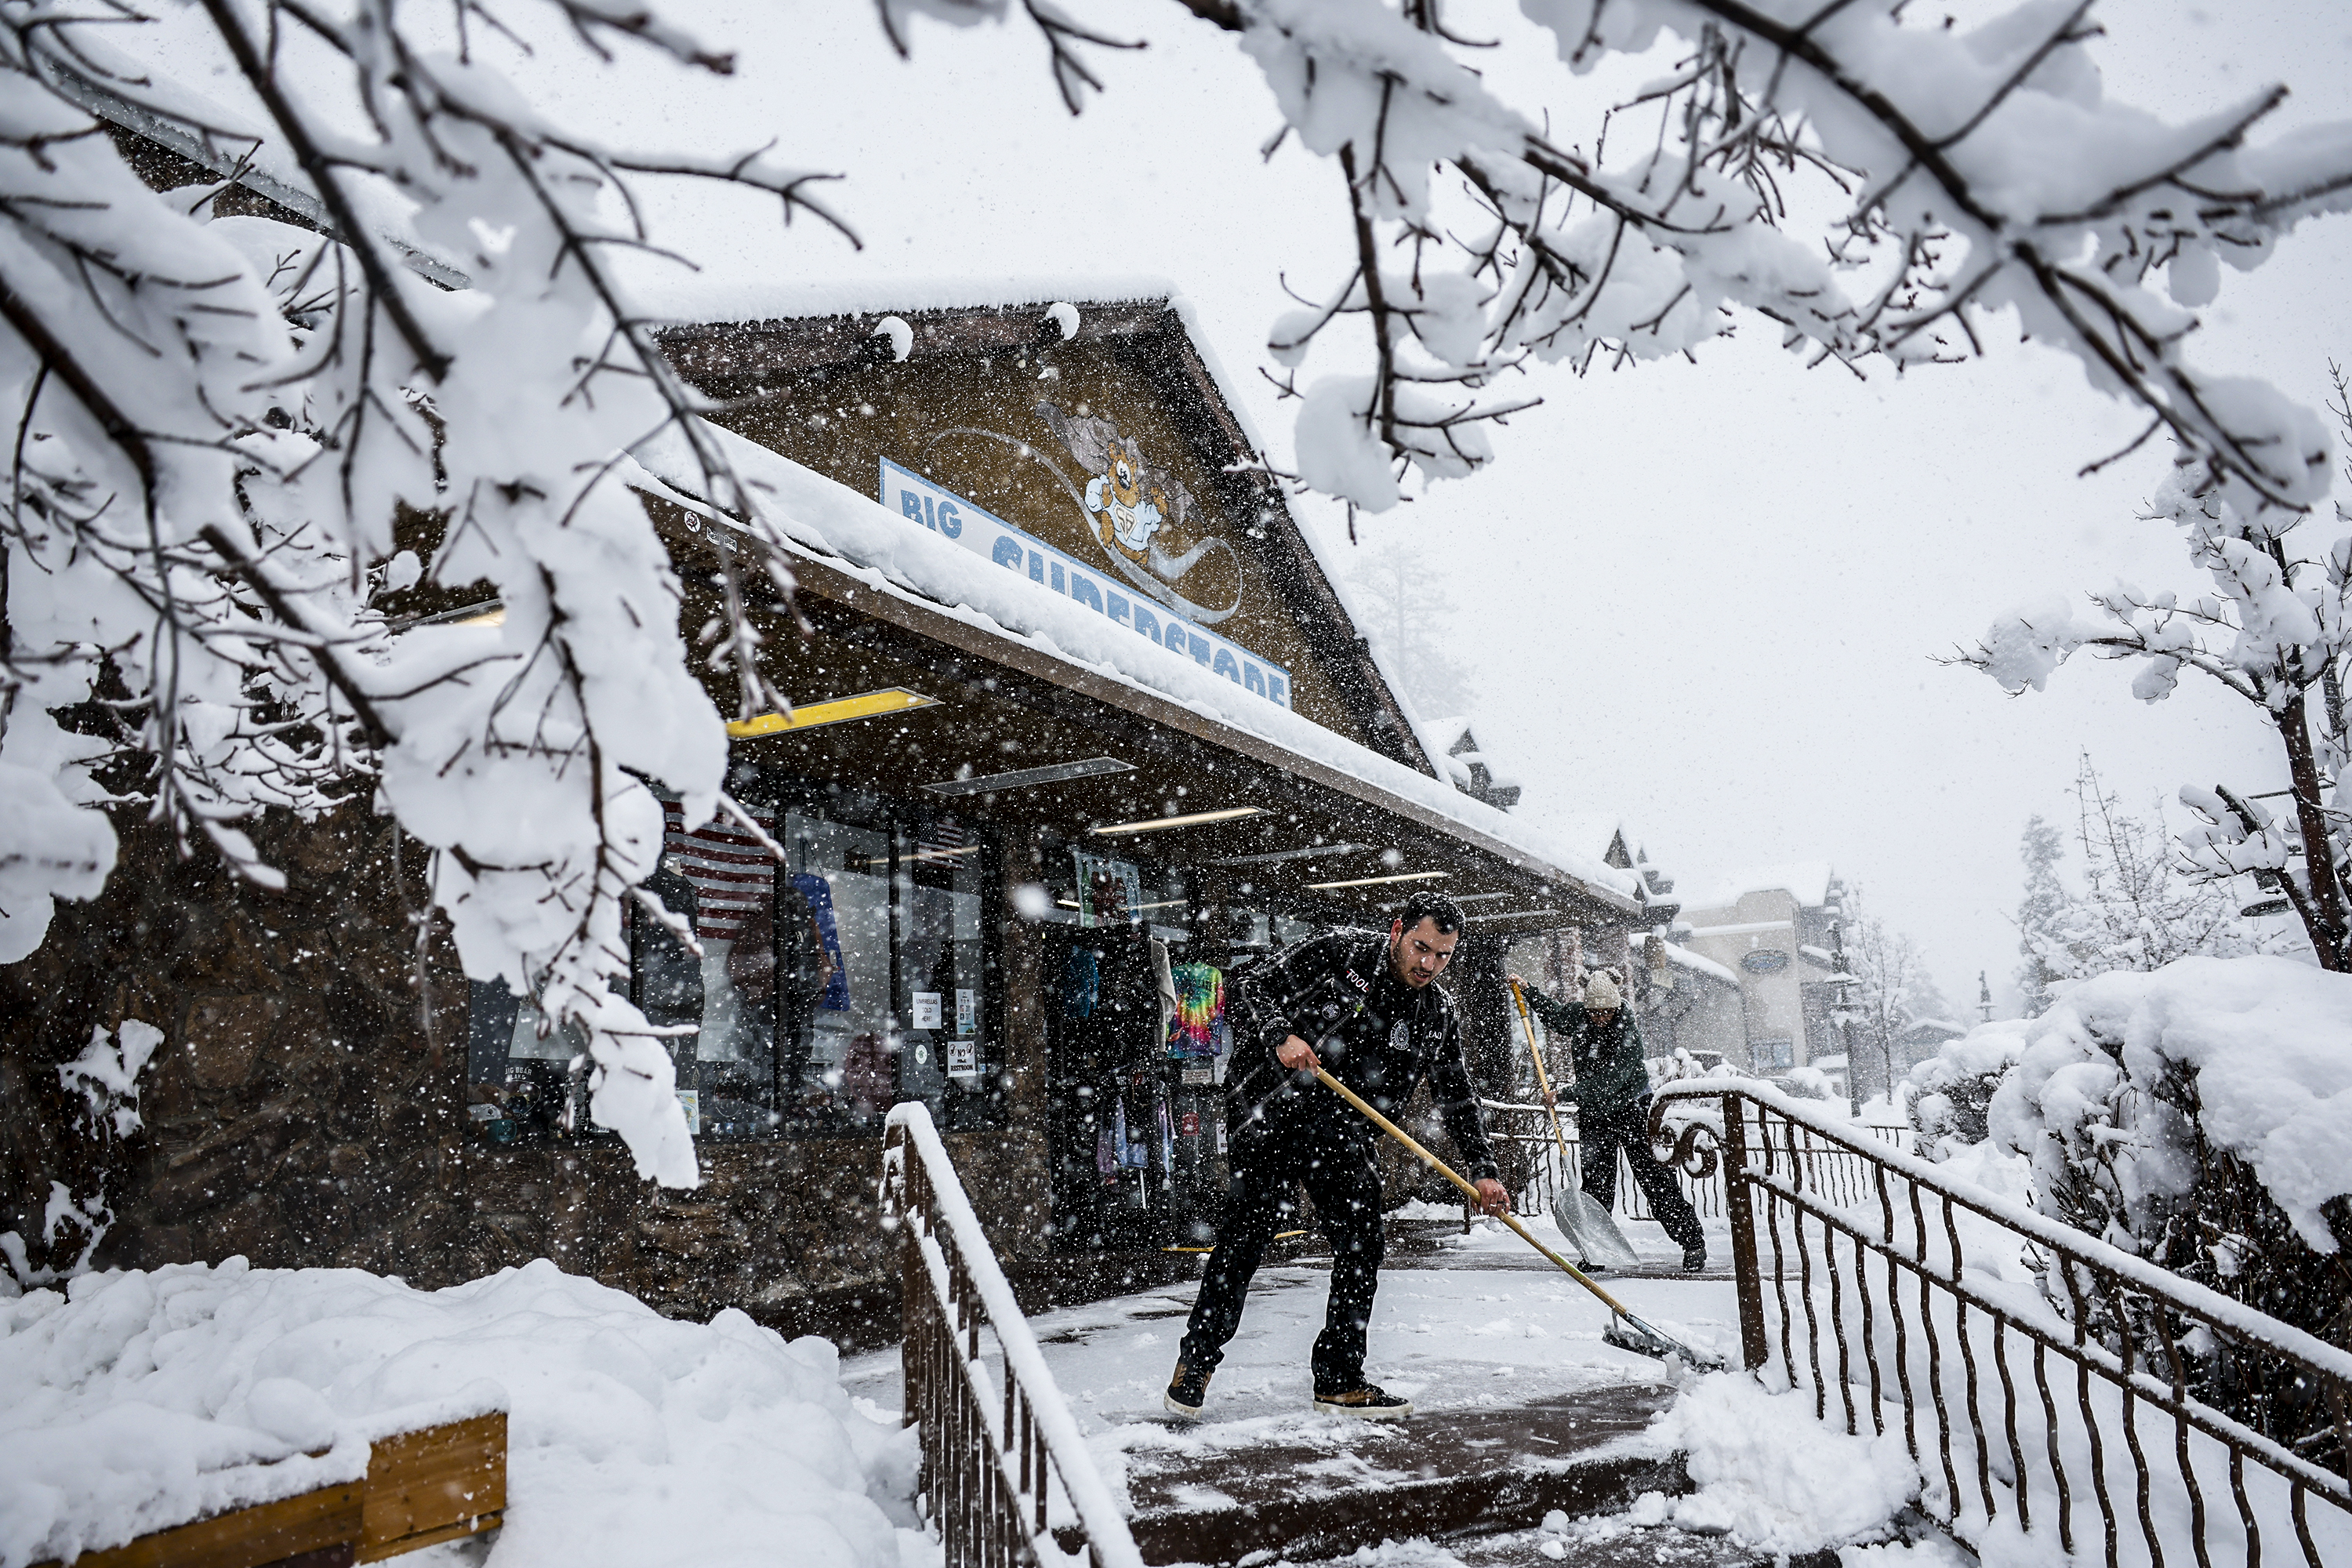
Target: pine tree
x,y
2039,912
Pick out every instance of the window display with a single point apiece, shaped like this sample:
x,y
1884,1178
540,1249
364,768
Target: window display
x,y
858,972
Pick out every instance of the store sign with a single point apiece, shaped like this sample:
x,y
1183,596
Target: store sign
x,y
992,539
1765,961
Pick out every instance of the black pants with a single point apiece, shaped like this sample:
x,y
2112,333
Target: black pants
x,y
1345,1185
1603,1129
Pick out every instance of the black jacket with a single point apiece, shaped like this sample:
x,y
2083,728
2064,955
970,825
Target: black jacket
x,y
1606,1069
1373,1033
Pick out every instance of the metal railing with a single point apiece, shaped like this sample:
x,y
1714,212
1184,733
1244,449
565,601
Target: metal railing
x,y
1006,1476
2046,1384
1528,1128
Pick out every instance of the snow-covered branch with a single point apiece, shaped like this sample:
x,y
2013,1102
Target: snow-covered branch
x,y
233,437
1970,173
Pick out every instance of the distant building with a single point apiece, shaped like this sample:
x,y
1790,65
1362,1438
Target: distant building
x,y
1460,758
1686,1001
1774,928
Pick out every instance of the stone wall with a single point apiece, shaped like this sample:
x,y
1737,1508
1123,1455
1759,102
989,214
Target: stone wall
x,y
305,1107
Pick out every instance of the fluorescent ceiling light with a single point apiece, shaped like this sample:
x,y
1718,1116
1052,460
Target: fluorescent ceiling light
x,y
1370,881
1512,914
1311,851
942,854
809,715
1192,819
1480,898
1132,908
1022,778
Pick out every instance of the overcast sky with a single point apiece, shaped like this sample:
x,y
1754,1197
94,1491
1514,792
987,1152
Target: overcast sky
x,y
1704,596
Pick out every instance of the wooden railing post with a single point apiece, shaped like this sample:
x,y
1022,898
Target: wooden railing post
x,y
1739,1209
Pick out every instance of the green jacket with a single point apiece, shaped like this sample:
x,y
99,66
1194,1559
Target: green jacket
x,y
1607,1061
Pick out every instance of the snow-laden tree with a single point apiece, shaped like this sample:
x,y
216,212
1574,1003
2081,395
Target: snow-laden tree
x,y
2042,847
2141,904
2273,628
1413,620
218,427
1892,990
215,426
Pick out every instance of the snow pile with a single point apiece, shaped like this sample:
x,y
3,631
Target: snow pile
x,y
136,1401
1770,1474
2257,1049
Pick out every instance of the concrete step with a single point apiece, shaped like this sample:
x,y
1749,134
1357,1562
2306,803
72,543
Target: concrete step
x,y
1612,1541
1321,1488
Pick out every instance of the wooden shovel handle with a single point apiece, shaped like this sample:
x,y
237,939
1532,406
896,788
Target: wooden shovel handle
x,y
1435,1163
1542,1077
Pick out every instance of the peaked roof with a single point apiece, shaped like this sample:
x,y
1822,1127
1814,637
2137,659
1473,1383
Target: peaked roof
x,y
1154,337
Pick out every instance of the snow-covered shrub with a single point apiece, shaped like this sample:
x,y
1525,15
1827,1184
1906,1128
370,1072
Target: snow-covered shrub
x,y
2195,1116
1946,1096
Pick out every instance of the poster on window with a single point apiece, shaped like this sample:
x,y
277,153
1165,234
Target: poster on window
x,y
1102,879
967,1011
819,894
927,1010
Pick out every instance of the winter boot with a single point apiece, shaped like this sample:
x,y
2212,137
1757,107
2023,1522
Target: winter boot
x,y
1371,1403
1187,1392
1695,1257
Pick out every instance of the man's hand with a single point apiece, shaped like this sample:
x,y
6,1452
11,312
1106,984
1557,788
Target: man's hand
x,y
1297,1055
1491,1195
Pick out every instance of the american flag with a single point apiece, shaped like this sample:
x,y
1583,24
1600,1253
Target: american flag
x,y
732,875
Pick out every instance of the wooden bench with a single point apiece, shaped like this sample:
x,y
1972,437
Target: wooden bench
x,y
422,1487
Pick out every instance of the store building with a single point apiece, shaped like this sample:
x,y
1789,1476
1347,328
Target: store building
x,y
1078,728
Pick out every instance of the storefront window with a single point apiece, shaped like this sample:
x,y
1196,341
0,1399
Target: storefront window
x,y
856,973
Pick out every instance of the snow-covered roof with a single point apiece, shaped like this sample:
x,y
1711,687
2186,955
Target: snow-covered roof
x,y
1684,958
878,547
1593,831
1806,881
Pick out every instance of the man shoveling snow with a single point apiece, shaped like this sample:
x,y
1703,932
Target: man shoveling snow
x,y
1363,1007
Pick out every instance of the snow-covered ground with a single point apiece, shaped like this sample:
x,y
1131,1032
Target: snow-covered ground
x,y
136,1401
132,1400
1464,1334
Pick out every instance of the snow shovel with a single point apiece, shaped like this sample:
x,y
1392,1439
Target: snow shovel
x,y
1580,1219
1625,1330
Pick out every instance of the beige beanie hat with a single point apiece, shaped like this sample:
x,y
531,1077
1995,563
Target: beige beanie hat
x,y
1601,995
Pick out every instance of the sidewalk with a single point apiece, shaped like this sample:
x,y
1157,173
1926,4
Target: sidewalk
x,y
1522,1411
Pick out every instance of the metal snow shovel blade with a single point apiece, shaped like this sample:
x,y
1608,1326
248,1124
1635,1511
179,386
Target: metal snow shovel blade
x,y
1582,1220
1625,1330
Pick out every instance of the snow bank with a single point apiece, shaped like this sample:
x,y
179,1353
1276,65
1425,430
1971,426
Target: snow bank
x,y
2265,1043
1770,1474
136,1401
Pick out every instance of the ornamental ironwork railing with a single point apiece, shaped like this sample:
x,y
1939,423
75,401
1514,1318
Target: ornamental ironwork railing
x,y
2046,1384
1528,1129
1006,1478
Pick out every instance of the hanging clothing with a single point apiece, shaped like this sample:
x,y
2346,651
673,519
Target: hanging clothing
x,y
1200,1031
1164,983
1081,983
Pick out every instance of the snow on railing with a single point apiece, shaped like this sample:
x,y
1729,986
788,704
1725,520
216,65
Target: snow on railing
x,y
2250,1408
992,1458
